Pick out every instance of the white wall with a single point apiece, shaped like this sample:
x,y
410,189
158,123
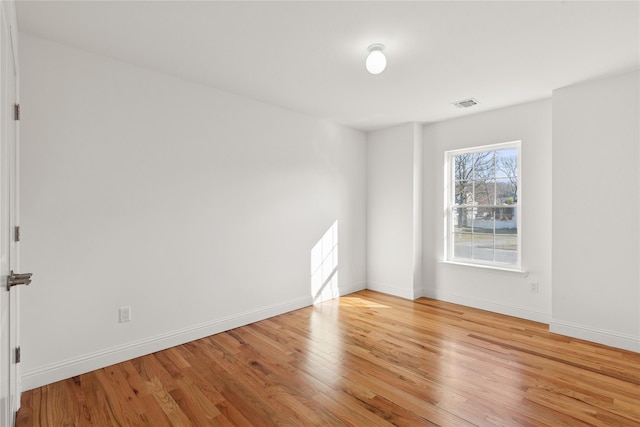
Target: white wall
x,y
596,207
498,291
391,206
195,207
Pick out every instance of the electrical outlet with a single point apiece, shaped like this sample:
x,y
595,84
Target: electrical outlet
x,y
535,287
125,314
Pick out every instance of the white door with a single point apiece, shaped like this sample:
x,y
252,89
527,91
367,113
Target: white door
x,y
9,328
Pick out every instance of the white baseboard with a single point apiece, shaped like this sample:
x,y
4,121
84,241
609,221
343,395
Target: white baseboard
x,y
349,289
88,362
419,293
392,290
600,336
75,366
509,310
609,338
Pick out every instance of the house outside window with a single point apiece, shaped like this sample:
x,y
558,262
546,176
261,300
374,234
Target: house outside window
x,y
483,199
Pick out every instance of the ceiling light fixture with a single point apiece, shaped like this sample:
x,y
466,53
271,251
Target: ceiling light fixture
x,y
376,61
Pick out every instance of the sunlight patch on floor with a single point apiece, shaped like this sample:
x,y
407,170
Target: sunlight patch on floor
x,y
360,302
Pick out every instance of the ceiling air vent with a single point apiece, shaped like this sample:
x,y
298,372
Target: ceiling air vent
x,y
466,103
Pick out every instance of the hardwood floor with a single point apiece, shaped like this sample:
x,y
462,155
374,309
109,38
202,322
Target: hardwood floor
x,y
367,359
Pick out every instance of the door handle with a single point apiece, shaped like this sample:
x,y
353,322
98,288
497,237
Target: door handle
x,y
14,279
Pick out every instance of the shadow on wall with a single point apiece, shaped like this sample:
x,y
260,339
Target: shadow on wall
x,y
324,266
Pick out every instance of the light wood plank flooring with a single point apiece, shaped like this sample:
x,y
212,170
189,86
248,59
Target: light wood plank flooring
x,y
367,359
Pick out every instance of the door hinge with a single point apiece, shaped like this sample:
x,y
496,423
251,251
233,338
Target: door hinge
x,y
17,354
17,233
16,111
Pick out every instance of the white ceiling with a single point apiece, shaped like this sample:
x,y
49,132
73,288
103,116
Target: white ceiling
x,y
309,56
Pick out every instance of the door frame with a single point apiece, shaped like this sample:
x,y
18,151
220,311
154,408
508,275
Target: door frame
x,y
8,18
16,200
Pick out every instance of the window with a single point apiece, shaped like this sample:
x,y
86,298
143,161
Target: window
x,y
483,205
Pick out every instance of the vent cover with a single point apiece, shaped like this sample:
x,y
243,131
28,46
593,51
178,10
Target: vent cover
x,y
466,103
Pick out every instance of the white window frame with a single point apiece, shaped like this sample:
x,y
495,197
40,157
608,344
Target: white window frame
x,y
449,199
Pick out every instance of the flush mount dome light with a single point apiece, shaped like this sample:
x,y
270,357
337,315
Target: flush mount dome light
x,y
376,61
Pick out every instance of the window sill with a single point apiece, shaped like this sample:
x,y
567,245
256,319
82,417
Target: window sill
x,y
516,271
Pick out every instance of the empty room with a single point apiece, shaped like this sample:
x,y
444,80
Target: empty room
x,y
320,213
